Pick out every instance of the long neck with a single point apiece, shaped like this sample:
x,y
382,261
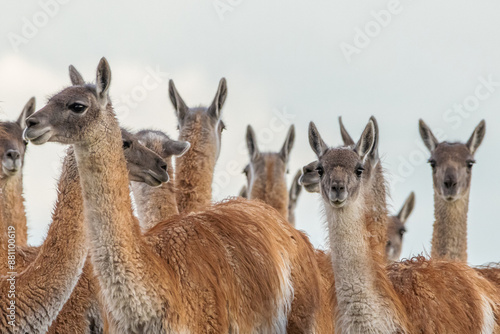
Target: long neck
x,y
46,284
377,219
13,207
155,204
272,192
125,267
449,236
364,294
194,170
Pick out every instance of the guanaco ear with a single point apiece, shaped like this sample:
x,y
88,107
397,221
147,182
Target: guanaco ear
x,y
407,208
348,141
374,157
220,97
103,82
243,192
176,147
28,110
296,188
364,145
75,76
177,101
477,137
427,136
253,149
317,144
287,146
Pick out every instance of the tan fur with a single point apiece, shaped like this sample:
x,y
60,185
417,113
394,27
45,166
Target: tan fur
x,y
234,267
416,296
45,285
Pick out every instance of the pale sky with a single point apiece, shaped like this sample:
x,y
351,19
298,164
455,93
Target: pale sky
x,y
285,62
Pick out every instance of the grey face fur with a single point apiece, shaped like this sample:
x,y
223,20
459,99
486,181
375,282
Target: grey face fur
x,y
81,105
12,145
341,169
452,162
397,229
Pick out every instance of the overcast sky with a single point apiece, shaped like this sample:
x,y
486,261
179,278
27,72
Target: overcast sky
x,y
285,62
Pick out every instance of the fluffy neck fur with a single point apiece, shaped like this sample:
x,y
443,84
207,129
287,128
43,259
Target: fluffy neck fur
x,y
195,169
155,204
46,284
363,291
126,269
449,237
13,207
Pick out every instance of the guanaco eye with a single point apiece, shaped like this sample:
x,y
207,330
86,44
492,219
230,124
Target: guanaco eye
x,y
77,108
126,144
401,232
359,171
470,163
222,126
320,171
432,162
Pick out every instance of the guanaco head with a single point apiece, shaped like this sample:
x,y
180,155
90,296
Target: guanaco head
x,y
12,144
160,143
452,162
341,170
293,196
310,177
143,164
396,229
266,171
82,112
203,124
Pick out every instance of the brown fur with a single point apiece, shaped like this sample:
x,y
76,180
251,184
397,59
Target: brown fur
x,y
396,229
12,143
44,286
202,127
155,204
416,296
193,272
451,174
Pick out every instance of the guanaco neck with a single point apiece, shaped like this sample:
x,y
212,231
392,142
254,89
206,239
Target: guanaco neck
x,y
52,276
13,207
155,204
271,191
364,293
377,219
449,236
194,170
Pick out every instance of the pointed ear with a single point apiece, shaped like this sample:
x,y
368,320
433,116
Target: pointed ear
x,y
177,147
374,157
317,144
28,110
75,76
220,97
348,141
243,192
179,105
103,81
296,188
427,136
253,149
407,208
364,145
477,137
287,146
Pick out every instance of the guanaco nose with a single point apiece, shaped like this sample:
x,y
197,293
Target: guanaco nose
x,y
338,192
12,160
32,121
450,182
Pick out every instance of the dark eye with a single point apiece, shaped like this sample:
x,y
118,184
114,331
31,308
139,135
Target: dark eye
x,y
126,144
401,232
432,162
470,163
320,171
359,171
77,108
